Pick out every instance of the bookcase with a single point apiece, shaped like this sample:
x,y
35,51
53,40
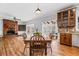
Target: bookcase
x,y
66,20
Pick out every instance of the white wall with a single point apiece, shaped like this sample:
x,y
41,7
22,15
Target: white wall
x,y
21,23
38,21
77,15
1,27
75,39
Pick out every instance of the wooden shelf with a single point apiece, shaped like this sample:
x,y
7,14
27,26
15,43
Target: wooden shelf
x,y
66,19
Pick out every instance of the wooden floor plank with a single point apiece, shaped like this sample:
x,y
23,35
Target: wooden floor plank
x,y
14,46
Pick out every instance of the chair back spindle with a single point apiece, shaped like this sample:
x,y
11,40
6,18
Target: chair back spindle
x,y
37,43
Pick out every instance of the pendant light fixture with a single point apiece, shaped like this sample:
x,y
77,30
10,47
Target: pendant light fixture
x,y
38,10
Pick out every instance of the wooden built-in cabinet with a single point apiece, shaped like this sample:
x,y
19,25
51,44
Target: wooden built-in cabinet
x,y
66,39
66,21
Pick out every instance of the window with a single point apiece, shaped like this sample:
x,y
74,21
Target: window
x,y
22,27
30,29
48,28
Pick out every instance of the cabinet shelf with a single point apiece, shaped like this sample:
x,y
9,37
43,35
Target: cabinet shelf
x,y
66,19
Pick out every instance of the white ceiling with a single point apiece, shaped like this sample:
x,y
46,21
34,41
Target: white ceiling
x,y
25,11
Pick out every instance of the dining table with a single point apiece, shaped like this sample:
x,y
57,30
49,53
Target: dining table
x,y
47,40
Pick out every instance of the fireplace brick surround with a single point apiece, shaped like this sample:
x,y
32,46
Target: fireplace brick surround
x,y
10,27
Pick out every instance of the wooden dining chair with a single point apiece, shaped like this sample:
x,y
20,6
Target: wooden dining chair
x,y
25,43
37,46
51,36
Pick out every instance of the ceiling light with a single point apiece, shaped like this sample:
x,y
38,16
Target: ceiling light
x,y
38,10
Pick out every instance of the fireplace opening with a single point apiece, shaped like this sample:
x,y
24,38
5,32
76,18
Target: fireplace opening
x,y
10,31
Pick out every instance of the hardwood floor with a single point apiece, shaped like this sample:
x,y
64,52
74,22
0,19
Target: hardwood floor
x,y
13,46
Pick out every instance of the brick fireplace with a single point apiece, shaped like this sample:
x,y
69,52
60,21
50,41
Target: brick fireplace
x,y
10,27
